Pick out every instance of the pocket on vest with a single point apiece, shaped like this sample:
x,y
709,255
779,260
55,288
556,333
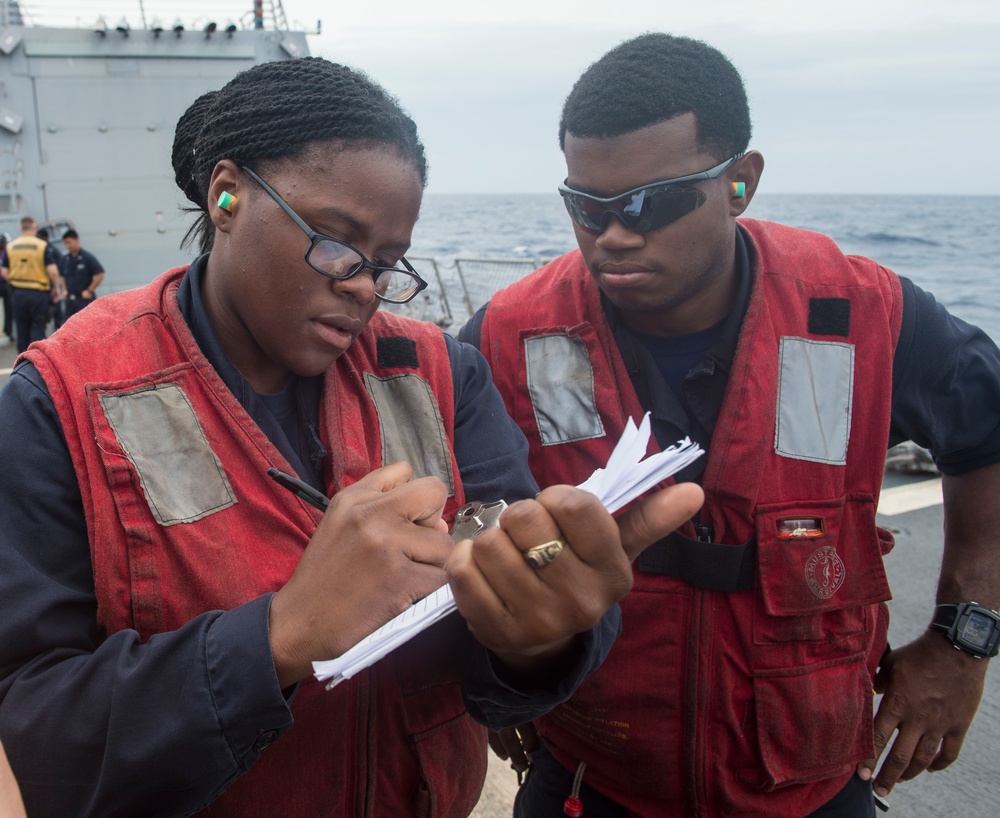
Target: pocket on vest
x,y
450,746
812,721
819,571
453,767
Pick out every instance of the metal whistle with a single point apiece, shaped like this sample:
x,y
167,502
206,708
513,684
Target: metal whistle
x,y
473,517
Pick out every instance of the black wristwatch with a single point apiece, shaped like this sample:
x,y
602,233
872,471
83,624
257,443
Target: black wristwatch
x,y
969,627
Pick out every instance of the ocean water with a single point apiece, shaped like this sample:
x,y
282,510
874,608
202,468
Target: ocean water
x,y
948,245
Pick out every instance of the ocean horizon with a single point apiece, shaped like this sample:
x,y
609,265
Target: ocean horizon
x,y
947,244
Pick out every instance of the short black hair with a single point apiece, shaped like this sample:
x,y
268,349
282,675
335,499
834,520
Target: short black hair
x,y
277,110
655,77
70,234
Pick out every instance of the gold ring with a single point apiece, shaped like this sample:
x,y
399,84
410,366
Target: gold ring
x,y
542,555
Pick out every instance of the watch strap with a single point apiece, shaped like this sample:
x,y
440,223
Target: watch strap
x,y
944,618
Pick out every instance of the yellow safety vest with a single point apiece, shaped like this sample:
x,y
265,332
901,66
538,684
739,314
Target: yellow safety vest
x,y
26,262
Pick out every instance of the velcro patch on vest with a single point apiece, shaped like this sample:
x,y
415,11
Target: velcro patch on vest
x,y
815,396
561,386
830,316
182,478
410,425
398,351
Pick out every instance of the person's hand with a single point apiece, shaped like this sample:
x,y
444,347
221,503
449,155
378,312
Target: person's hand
x,y
515,744
380,547
930,695
527,615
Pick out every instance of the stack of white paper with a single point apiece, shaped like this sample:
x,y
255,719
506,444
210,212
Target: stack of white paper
x,y
626,477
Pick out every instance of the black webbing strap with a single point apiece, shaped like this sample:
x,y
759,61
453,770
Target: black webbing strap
x,y
708,565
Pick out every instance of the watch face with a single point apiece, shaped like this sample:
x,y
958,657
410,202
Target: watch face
x,y
977,631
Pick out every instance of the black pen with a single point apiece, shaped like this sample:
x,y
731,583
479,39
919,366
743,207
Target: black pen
x,y
302,490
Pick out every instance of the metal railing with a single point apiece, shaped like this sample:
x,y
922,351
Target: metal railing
x,y
455,291
481,277
144,14
433,303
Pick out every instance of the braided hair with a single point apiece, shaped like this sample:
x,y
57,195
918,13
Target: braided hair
x,y
655,77
277,110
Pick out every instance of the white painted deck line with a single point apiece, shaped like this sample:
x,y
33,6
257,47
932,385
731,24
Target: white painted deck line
x,y
900,499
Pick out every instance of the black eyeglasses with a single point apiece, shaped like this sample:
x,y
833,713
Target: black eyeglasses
x,y
641,209
338,260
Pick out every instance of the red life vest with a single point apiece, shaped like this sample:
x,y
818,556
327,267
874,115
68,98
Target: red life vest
x,y
394,740
752,702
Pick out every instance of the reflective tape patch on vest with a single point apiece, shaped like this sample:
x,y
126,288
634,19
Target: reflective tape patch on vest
x,y
561,386
815,392
410,425
181,477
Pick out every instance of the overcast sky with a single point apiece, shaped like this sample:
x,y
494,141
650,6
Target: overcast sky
x,y
847,96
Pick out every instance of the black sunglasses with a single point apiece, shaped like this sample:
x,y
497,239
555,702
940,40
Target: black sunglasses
x,y
336,259
644,208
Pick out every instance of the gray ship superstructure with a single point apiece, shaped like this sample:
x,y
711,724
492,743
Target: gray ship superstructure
x,y
87,115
